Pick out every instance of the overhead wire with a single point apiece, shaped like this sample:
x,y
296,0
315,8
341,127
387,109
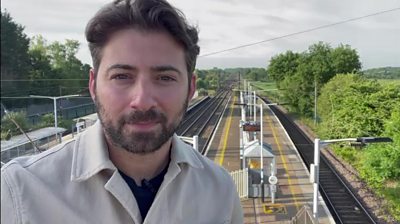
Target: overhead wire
x,y
299,32
29,91
41,80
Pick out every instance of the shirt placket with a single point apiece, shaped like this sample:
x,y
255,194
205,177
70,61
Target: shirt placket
x,y
120,190
154,214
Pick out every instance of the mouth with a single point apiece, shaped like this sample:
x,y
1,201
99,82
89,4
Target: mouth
x,y
142,125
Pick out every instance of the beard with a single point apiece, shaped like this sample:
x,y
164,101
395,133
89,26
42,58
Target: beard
x,y
139,142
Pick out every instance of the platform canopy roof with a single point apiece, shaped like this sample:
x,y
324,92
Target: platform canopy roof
x,y
92,117
252,150
35,135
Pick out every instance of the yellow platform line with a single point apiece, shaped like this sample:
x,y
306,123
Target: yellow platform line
x,y
283,161
221,159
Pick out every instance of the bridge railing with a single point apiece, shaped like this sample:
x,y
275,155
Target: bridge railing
x,y
304,216
241,179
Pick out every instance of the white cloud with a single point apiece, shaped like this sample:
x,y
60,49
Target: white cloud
x,y
229,23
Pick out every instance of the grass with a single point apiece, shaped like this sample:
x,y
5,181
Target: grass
x,y
265,85
268,89
351,155
392,194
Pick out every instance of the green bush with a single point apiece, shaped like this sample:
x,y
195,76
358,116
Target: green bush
x,y
380,163
7,126
48,121
64,123
349,154
203,92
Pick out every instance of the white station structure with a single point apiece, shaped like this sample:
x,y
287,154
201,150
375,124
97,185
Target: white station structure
x,y
255,154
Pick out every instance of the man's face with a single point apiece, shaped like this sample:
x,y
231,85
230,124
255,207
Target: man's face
x,y
141,89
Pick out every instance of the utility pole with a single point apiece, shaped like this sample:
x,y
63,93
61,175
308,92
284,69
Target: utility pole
x,y
315,101
239,81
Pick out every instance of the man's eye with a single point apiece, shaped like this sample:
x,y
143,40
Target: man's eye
x,y
166,78
120,76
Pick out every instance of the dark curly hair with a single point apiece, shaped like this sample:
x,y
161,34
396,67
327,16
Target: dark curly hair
x,y
146,15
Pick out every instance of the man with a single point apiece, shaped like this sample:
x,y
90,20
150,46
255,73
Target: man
x,y
130,167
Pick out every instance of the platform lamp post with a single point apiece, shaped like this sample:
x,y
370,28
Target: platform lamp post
x,y
261,151
314,168
55,107
261,143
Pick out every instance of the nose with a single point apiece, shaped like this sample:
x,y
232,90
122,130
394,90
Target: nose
x,y
143,95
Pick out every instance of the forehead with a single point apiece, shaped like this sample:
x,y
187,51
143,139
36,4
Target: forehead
x,y
143,48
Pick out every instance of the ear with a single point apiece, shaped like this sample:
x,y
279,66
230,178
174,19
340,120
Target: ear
x,y
192,87
92,84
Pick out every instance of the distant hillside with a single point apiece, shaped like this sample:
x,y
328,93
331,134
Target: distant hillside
x,y
383,73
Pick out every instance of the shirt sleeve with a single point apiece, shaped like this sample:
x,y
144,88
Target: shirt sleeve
x,y
8,203
237,212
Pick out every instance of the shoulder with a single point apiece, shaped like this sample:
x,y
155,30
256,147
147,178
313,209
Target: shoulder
x,y
213,169
199,165
28,175
41,164
206,181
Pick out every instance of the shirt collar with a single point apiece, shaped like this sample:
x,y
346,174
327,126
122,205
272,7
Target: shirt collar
x,y
184,153
90,154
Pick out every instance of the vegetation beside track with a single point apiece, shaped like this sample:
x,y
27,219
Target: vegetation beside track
x,y
350,105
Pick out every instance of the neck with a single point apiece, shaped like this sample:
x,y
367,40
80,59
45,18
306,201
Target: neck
x,y
141,166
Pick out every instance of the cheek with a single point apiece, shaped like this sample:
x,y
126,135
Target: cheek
x,y
176,94
111,101
174,102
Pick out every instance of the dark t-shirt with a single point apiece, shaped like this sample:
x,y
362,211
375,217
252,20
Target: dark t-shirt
x,y
146,193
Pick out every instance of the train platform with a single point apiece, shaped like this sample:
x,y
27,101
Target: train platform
x,y
294,189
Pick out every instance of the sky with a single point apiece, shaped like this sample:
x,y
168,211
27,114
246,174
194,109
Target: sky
x,y
226,24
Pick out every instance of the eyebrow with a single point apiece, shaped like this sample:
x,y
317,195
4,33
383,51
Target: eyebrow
x,y
121,66
163,68
160,68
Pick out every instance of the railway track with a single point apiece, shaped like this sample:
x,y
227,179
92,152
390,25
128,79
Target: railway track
x,y
342,203
202,119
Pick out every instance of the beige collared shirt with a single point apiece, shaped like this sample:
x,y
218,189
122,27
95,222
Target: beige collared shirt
x,y
76,182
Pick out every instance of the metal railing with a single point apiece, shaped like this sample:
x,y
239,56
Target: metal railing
x,y
304,216
241,179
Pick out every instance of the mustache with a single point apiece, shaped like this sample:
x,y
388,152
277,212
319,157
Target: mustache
x,y
144,116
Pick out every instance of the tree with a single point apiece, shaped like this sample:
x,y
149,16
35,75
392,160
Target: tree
x,y
201,84
382,73
41,68
282,66
351,105
301,75
345,60
58,61
257,74
15,61
38,61
320,61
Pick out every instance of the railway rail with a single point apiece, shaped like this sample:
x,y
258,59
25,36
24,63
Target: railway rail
x,y
202,119
342,203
